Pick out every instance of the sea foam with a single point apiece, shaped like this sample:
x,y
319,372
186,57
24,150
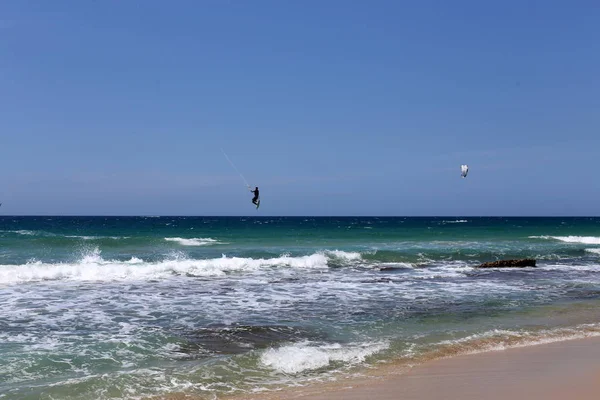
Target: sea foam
x,y
571,239
192,241
92,267
305,356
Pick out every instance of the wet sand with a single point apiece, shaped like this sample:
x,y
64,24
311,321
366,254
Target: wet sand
x,y
562,370
555,371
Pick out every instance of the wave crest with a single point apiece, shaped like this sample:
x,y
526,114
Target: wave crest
x,y
92,267
571,239
343,255
193,241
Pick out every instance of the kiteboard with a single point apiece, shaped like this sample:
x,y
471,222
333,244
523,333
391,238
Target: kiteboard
x,y
257,203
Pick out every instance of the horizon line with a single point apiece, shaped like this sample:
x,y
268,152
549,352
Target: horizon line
x,y
296,216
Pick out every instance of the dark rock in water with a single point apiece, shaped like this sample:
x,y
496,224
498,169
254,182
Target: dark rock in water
x,y
237,339
395,268
525,262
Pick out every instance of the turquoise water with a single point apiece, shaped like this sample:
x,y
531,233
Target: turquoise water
x,y
128,307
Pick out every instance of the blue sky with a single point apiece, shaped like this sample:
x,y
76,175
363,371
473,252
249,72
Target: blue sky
x,y
330,107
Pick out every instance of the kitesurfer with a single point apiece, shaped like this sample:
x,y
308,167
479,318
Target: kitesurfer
x,y
255,198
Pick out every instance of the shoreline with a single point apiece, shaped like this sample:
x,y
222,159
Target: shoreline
x,y
549,371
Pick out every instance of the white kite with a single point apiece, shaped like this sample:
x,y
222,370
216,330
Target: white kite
x,y
464,170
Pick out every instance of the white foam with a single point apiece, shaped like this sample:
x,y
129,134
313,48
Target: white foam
x,y
458,221
305,356
504,339
571,239
343,255
23,232
570,267
92,267
595,251
494,333
193,241
92,256
396,265
134,260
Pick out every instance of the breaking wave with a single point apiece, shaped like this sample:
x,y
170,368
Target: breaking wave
x,y
92,267
193,241
343,255
571,239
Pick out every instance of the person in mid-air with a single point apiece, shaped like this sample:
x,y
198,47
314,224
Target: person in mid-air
x,y
255,198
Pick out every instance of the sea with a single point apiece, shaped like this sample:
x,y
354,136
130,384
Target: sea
x,y
213,307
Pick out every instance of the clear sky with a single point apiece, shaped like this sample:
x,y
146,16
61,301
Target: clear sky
x,y
330,107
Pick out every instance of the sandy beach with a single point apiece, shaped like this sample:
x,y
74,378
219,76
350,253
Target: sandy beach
x,y
561,370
